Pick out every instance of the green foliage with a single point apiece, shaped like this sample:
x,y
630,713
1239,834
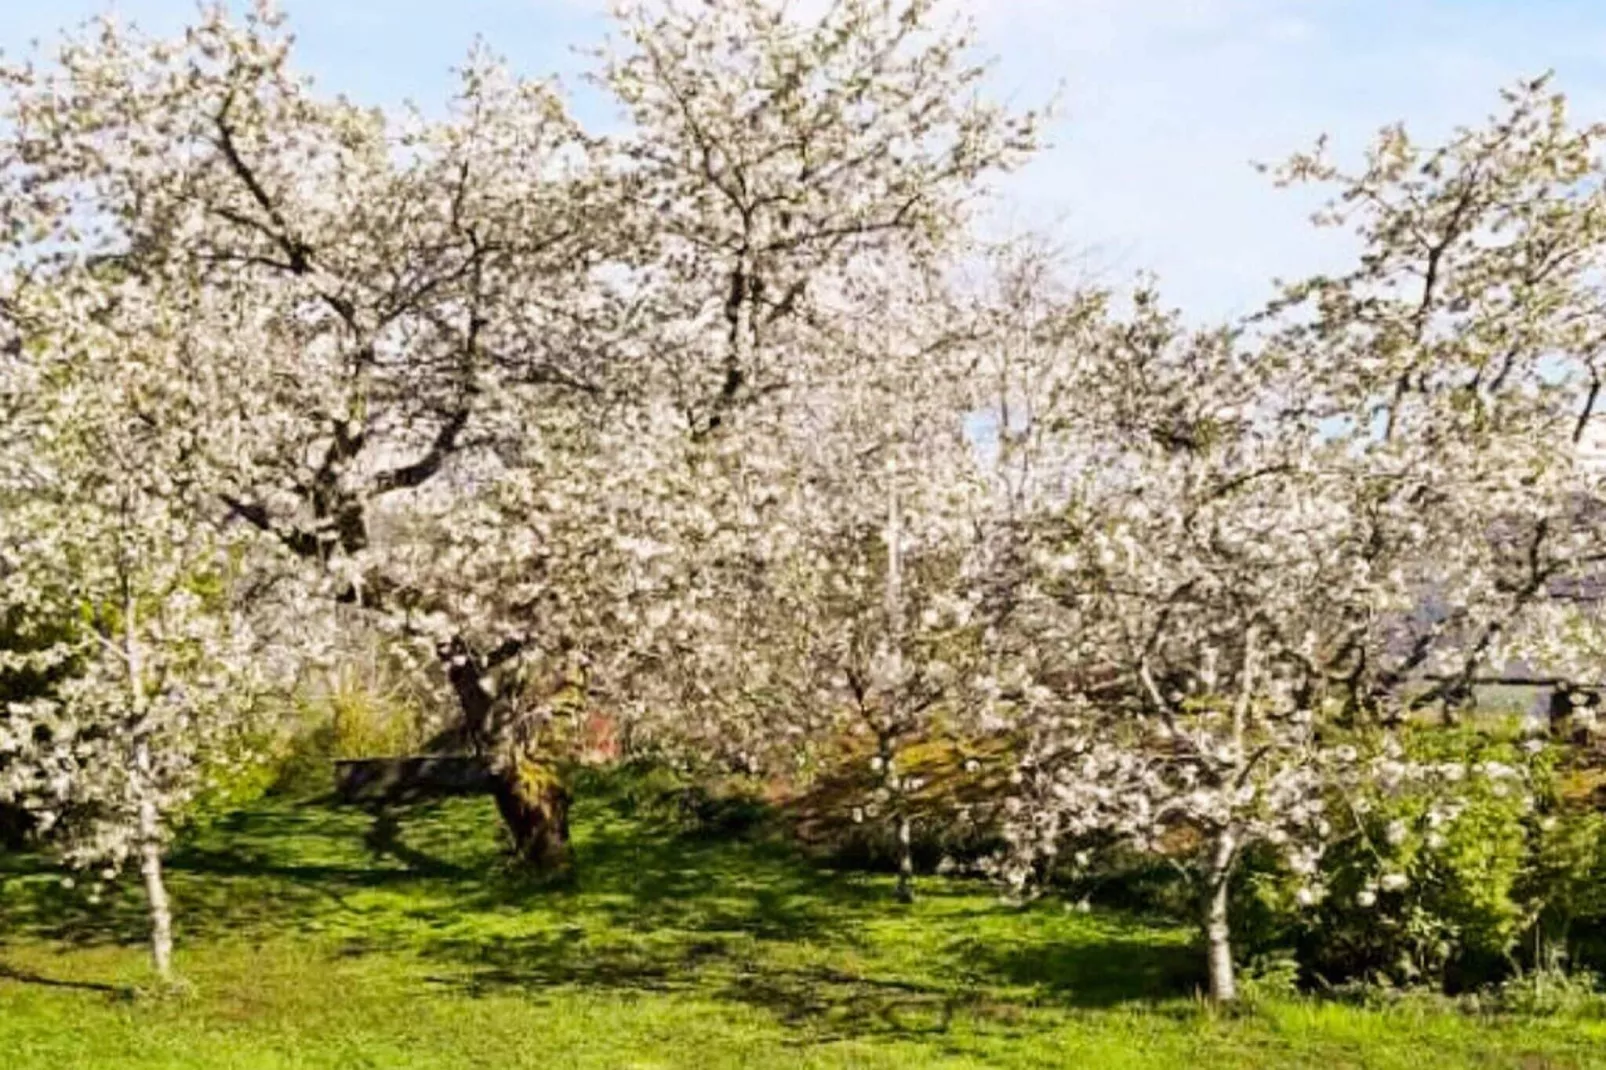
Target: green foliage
x,y
366,721
21,636
1269,978
700,805
360,713
1453,885
1550,992
840,812
1514,855
1565,884
1422,886
1267,918
241,777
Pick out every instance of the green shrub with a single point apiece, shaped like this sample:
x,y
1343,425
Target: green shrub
x,y
243,778
1113,875
358,714
1565,883
700,804
841,814
367,721
1444,886
934,846
1271,978
1423,884
1550,992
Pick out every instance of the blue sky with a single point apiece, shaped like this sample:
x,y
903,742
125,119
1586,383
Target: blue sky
x,y
1165,103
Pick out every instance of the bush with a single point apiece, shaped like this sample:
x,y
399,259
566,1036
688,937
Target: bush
x,y
841,814
1565,883
1422,886
359,714
1270,978
1550,992
701,805
1449,887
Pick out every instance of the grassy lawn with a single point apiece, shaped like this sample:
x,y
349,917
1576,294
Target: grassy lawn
x,y
314,939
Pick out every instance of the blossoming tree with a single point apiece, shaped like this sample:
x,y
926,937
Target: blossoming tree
x,y
150,618
1264,541
435,345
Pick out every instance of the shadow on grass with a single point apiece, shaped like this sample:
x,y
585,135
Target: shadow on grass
x,y
1104,972
742,920
251,874
820,1001
28,977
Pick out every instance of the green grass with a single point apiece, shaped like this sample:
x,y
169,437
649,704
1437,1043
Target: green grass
x,y
313,939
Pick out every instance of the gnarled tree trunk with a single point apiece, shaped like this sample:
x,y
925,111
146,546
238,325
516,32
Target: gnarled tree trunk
x,y
531,793
534,801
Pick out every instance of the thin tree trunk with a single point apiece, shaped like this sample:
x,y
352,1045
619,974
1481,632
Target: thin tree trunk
x,y
906,862
902,824
161,910
150,866
1218,924
149,824
1224,854
894,608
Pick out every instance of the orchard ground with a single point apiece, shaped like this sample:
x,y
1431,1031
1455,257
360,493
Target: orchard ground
x,y
312,936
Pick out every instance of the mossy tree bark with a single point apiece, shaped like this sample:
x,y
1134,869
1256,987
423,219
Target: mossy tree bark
x,y
532,793
533,797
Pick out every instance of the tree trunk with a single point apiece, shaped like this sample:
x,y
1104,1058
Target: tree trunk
x,y
534,802
906,861
473,698
149,822
161,911
902,826
1218,927
530,795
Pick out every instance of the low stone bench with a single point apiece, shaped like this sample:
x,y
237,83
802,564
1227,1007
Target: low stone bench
x,y
397,780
